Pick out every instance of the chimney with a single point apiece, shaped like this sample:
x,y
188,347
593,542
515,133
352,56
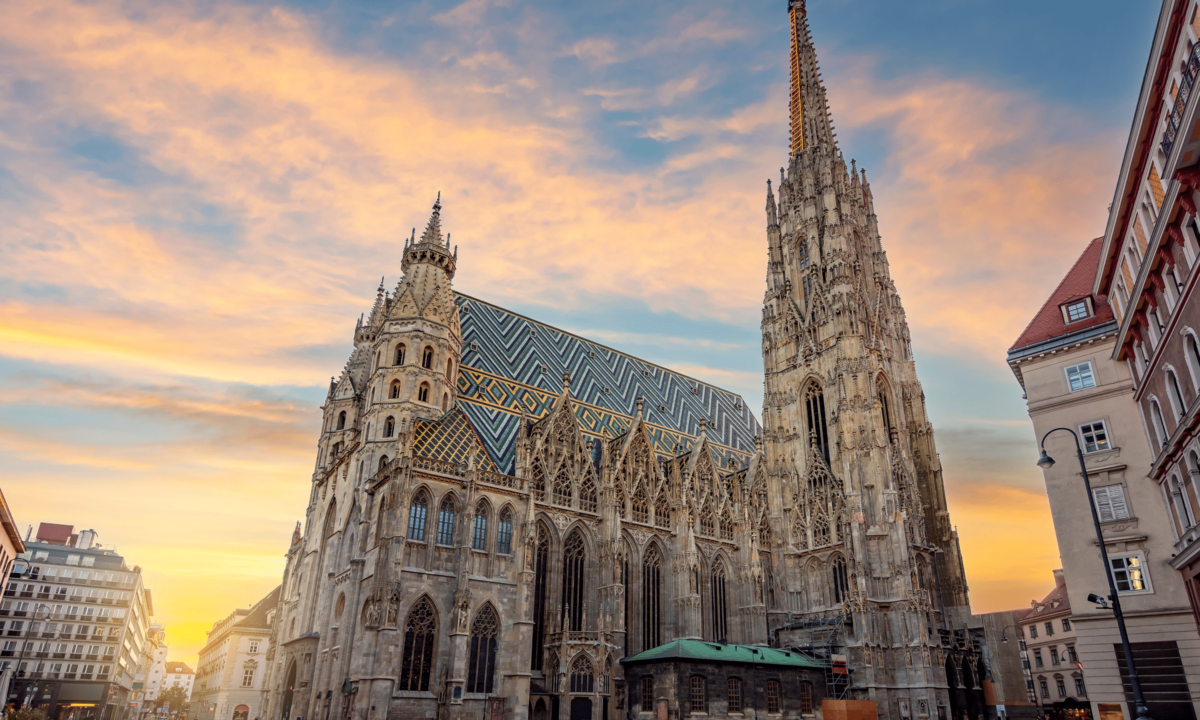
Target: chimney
x,y
87,539
1059,579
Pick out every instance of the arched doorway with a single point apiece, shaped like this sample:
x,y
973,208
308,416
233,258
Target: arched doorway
x,y
241,712
288,691
581,708
540,711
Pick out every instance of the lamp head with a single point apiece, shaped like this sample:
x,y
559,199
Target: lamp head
x,y
1045,462
1003,637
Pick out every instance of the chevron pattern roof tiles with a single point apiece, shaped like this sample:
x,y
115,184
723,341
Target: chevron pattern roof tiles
x,y
511,364
450,438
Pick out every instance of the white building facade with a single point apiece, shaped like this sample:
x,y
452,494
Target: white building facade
x,y
232,666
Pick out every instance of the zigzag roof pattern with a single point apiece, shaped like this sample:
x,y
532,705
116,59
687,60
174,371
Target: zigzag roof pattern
x,y
513,365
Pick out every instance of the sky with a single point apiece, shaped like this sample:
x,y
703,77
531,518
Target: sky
x,y
198,199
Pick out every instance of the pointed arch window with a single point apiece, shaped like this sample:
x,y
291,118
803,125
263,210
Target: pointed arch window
x,y
720,611
587,493
445,402
707,522
504,532
838,579
541,558
394,390
651,599
427,359
341,423
479,532
583,678
399,355
423,393
537,483
821,530
416,517
885,408
420,633
574,557
445,528
726,525
662,514
481,671
562,488
449,368
641,510
814,407
389,426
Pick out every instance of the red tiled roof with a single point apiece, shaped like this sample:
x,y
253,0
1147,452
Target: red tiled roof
x,y
1048,323
54,533
1056,603
175,668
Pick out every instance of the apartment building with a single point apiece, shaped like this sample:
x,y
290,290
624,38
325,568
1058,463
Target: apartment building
x,y
73,623
1054,661
233,664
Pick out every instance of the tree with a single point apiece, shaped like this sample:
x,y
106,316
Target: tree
x,y
175,697
27,713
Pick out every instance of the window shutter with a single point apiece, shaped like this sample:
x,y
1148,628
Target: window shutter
x,y
1103,505
1110,503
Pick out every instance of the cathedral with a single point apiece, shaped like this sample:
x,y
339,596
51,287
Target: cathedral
x,y
502,514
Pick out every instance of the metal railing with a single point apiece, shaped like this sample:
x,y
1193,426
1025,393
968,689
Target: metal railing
x,y
1190,71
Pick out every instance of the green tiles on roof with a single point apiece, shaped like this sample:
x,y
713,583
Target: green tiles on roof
x,y
451,438
716,652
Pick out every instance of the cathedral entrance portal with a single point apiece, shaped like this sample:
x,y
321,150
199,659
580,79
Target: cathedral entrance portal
x,y
581,708
289,688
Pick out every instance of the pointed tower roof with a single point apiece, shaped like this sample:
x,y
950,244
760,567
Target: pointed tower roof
x,y
811,125
433,229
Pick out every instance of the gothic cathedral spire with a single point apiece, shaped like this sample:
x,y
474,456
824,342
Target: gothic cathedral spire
x,y
863,549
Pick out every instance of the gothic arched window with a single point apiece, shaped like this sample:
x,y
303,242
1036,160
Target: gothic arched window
x,y
416,517
479,532
541,558
504,532
583,678
641,504
341,425
445,526
399,355
726,525
423,393
537,483
707,522
445,402
482,668
885,406
662,514
389,426
838,579
449,368
587,493
420,633
651,599
427,359
821,530
574,556
720,612
814,406
394,390
562,488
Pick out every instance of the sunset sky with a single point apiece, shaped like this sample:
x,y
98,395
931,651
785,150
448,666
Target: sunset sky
x,y
198,199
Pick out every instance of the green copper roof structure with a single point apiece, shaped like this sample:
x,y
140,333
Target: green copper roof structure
x,y
702,651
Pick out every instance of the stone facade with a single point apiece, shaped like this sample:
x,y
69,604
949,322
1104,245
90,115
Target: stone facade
x,y
475,538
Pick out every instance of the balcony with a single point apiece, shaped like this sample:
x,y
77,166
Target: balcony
x,y
1171,132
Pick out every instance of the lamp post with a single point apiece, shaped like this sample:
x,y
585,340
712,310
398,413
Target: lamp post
x,y
1045,462
21,658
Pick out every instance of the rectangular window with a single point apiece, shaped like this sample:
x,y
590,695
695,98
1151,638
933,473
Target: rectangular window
x,y
647,693
72,559
1062,687
1033,631
773,696
1071,653
699,695
253,646
1110,503
733,695
1037,658
1066,624
1095,436
1077,310
1080,377
1045,688
247,678
1080,688
1128,573
1049,629
1054,656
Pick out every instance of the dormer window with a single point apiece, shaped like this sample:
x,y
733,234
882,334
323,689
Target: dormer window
x,y
1077,310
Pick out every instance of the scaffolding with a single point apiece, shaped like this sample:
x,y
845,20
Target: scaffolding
x,y
821,637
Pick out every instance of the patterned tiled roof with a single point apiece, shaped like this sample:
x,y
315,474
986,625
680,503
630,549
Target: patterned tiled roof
x,y
511,363
450,438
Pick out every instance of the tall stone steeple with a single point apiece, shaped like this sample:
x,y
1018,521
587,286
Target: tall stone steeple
x,y
863,552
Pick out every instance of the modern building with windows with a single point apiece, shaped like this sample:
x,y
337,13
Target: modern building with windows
x,y
1055,667
230,676
74,620
1064,362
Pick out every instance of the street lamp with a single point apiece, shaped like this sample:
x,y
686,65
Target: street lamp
x,y
24,644
1046,462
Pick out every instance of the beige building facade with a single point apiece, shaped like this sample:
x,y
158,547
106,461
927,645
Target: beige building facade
x,y
231,675
1064,363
